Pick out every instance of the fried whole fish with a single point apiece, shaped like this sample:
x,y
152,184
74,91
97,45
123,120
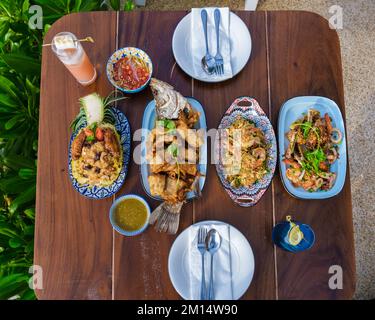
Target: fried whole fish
x,y
172,180
169,102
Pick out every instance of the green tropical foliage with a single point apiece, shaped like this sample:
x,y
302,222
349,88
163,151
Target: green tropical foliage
x,y
20,54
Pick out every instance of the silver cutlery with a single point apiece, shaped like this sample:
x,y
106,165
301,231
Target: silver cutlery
x,y
208,61
213,243
219,62
202,234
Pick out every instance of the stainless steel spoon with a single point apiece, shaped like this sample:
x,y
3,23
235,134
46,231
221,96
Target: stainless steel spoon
x,y
208,61
213,243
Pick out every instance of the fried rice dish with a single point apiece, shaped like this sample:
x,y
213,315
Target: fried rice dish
x,y
96,156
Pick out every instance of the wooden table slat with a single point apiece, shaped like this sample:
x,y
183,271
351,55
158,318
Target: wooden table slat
x,y
304,58
141,263
73,236
254,222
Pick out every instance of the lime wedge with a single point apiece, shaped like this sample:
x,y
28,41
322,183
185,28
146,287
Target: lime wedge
x,y
295,235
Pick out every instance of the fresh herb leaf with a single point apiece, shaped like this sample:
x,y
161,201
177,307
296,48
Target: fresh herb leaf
x,y
173,150
165,123
306,128
314,158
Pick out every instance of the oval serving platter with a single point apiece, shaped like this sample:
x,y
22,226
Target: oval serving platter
x,y
148,123
123,128
291,111
249,109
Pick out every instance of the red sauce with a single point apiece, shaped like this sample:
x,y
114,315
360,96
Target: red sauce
x,y
130,73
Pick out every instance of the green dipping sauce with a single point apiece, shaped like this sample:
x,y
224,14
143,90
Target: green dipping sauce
x,y
130,214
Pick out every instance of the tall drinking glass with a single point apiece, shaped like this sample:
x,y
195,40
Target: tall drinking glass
x,y
71,53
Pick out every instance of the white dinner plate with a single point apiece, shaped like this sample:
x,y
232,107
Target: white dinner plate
x,y
242,259
240,43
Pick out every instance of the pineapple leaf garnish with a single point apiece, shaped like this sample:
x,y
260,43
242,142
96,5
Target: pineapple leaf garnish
x,y
95,109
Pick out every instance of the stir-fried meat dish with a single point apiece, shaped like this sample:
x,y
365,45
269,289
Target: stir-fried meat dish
x,y
313,148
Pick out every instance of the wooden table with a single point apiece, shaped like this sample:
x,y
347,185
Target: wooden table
x,y
294,53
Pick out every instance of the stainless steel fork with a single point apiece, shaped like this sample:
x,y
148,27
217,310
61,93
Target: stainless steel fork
x,y
202,233
219,68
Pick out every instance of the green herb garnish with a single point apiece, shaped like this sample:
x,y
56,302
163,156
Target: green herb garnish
x,y
306,128
90,138
173,151
313,159
167,124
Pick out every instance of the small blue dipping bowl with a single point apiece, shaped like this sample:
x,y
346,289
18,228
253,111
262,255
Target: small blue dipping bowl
x,y
122,53
280,237
112,215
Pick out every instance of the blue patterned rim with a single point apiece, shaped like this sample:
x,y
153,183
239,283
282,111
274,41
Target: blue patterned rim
x,y
123,128
122,53
249,196
115,225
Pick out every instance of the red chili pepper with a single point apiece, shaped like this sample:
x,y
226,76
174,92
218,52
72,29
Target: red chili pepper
x,y
99,134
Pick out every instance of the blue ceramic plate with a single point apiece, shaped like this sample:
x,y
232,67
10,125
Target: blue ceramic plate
x,y
249,109
293,110
122,53
148,123
123,129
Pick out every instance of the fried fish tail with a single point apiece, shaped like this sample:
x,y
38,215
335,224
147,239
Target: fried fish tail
x,y
166,217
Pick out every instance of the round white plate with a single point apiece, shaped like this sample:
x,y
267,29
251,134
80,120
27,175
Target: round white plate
x,y
242,262
240,43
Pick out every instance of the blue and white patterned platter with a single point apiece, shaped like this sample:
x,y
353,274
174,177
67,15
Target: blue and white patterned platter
x,y
249,109
123,129
122,53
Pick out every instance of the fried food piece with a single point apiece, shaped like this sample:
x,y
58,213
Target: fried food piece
x,y
190,169
193,137
157,184
175,190
111,142
77,145
312,140
183,169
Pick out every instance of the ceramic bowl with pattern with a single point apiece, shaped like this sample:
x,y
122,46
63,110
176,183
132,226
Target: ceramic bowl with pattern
x,y
249,109
96,192
122,53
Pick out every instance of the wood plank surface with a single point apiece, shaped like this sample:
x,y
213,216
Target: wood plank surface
x,y
73,235
255,222
294,53
305,59
141,263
